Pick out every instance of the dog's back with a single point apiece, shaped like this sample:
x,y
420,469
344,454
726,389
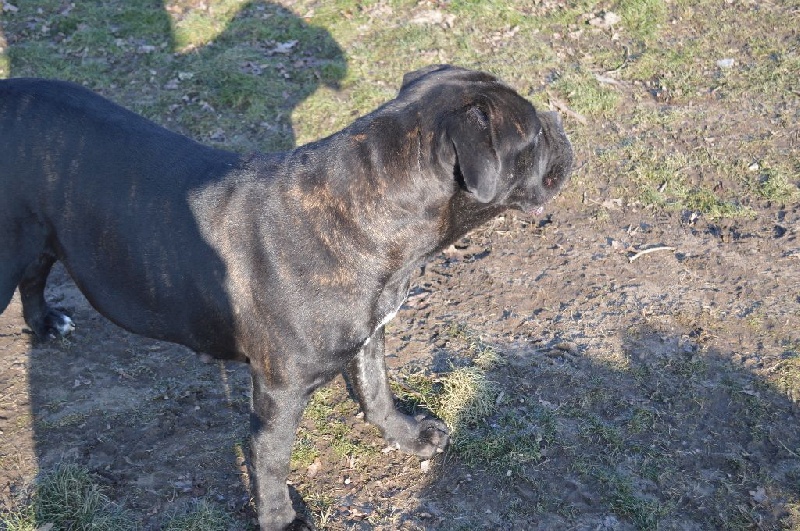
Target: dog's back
x,y
106,191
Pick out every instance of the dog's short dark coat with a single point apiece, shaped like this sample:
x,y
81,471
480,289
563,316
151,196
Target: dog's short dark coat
x,y
292,261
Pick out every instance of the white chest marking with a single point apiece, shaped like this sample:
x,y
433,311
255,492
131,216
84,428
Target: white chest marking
x,y
388,318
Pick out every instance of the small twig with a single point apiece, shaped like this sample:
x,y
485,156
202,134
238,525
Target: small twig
x,y
607,80
787,448
563,107
648,251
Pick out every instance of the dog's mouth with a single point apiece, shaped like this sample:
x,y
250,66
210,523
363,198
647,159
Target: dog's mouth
x,y
527,208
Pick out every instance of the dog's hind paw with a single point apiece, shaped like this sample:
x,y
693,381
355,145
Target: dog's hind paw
x,y
58,324
299,525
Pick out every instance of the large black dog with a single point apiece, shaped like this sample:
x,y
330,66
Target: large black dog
x,y
291,261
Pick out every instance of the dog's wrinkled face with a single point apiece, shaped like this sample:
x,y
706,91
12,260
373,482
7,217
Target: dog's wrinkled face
x,y
500,150
541,167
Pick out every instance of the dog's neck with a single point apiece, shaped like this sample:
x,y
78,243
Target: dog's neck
x,y
406,211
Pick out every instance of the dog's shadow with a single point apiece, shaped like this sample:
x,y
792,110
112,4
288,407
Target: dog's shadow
x,y
158,425
174,63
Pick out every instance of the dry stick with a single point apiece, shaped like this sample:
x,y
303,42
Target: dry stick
x,y
648,251
561,106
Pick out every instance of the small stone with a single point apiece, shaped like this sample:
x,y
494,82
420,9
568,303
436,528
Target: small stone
x,y
605,20
759,495
568,347
725,63
314,468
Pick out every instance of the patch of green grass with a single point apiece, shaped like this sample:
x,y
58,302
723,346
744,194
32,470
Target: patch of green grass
x,y
786,377
321,506
328,425
674,71
498,12
622,496
145,18
642,420
642,18
66,421
20,519
319,408
201,515
586,94
709,203
624,501
69,499
771,68
483,355
603,433
774,184
467,398
304,452
501,449
509,442
664,179
342,441
195,27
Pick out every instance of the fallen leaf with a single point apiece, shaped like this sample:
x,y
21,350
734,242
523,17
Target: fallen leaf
x,y
759,495
605,20
282,48
434,16
313,468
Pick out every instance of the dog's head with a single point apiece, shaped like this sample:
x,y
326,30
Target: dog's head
x,y
499,149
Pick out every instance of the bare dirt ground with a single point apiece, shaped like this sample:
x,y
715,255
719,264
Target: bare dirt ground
x,y
653,386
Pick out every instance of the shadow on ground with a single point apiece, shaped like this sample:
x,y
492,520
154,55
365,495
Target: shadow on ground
x,y
677,438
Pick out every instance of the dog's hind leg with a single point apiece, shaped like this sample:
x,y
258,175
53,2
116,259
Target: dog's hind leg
x,y
8,283
274,419
16,252
41,318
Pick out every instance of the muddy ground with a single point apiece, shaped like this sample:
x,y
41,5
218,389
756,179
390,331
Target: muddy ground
x,y
655,381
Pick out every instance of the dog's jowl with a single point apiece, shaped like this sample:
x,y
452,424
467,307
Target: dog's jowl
x,y
291,261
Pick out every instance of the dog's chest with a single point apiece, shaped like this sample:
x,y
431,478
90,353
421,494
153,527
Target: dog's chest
x,y
389,303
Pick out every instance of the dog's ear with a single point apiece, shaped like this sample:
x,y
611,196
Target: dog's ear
x,y
477,165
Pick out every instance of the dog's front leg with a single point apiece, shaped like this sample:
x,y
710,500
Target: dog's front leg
x,y
273,421
368,378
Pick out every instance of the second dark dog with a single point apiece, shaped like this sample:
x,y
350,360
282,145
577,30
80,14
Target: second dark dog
x,y
292,261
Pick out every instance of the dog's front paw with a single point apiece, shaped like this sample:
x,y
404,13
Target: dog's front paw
x,y
433,437
423,438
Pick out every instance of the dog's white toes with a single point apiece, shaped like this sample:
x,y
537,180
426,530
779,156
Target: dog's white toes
x,y
65,326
